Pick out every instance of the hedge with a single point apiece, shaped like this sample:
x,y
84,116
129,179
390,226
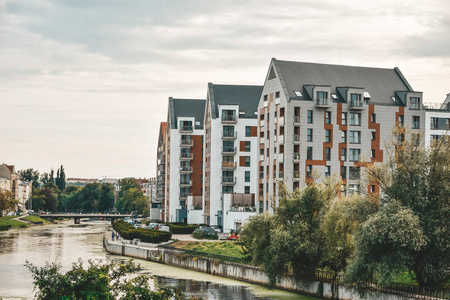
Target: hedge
x,y
183,229
128,232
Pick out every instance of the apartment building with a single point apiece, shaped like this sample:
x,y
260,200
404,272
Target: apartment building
x,y
161,171
10,181
184,156
437,121
316,120
230,154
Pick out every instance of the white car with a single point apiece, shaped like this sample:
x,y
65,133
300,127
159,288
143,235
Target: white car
x,y
137,225
164,228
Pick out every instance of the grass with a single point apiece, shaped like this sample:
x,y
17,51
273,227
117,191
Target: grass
x,y
35,219
221,248
9,220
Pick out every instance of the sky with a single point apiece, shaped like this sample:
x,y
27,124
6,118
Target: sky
x,y
85,83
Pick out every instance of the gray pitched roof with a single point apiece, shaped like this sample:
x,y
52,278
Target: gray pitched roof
x,y
246,96
186,108
382,84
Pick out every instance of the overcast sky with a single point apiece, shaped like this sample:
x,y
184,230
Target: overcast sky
x,y
85,83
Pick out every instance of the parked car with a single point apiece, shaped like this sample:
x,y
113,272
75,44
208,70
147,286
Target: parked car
x,y
216,229
164,228
137,225
233,236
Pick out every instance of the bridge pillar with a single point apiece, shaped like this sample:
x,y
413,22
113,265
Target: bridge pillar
x,y
76,220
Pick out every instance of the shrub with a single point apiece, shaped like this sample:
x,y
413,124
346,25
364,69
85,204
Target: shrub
x,y
128,232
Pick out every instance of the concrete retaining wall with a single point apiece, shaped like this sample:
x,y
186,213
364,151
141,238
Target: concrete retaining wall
x,y
237,271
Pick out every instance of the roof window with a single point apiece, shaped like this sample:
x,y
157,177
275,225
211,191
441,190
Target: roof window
x,y
298,93
366,95
334,96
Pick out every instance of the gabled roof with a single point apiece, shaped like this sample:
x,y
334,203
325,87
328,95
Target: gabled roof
x,y
380,83
186,108
246,96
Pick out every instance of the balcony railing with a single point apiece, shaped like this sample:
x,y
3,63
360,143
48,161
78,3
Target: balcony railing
x,y
196,207
242,209
186,143
296,119
296,175
231,135
281,174
228,180
186,128
281,120
229,119
229,150
296,156
358,104
186,156
185,182
323,103
185,169
296,138
229,165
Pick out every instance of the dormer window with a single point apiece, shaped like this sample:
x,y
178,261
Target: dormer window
x,y
298,93
415,102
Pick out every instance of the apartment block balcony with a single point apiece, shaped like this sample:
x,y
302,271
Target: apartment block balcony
x,y
186,129
161,167
185,183
297,120
262,123
229,165
229,135
324,103
296,175
280,139
229,150
281,120
161,161
161,173
266,103
183,196
296,156
229,119
242,209
197,207
262,140
186,143
185,170
359,105
281,174
296,138
186,156
229,180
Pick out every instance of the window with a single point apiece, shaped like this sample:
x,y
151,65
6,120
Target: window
x,y
372,189
355,119
344,136
228,146
261,134
401,120
373,118
248,131
355,100
228,131
247,146
322,97
228,115
227,189
328,117
415,102
354,154
247,161
308,171
309,135
344,172
310,117
354,173
327,135
353,188
247,190
247,176
327,171
355,137
343,154
373,153
265,97
415,122
434,123
309,153
277,95
344,118
373,136
327,153
268,117
298,93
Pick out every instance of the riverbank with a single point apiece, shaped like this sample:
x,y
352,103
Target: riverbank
x,y
10,222
241,272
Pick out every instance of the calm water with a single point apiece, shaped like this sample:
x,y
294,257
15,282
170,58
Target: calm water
x,y
66,243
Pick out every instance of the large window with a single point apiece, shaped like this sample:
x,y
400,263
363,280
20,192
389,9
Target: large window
x,y
343,154
228,131
355,119
327,153
228,115
355,100
355,137
328,117
354,173
248,131
401,121
416,122
309,135
354,154
228,146
247,161
327,135
344,172
415,102
247,146
344,118
247,176
309,153
344,136
310,117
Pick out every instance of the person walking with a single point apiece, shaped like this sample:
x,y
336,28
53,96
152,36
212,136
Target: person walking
x,y
117,235
113,235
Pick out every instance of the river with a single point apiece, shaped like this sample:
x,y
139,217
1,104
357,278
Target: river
x,y
65,243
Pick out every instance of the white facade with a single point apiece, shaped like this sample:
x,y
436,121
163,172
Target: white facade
x,y
437,122
235,216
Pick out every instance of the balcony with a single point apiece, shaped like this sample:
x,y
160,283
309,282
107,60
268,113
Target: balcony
x,y
296,175
229,165
281,174
242,209
296,156
323,103
229,119
161,173
161,161
197,207
185,183
185,169
262,123
281,120
229,135
296,138
266,103
186,143
229,150
229,180
186,128
297,120
186,156
360,105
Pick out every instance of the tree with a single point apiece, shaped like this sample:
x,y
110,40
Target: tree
x,y
131,197
30,175
7,201
89,197
97,281
126,184
415,182
106,202
60,180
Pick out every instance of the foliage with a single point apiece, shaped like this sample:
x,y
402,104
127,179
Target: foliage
x,y
415,181
10,221
128,232
126,184
93,197
131,198
205,233
30,175
7,201
182,228
220,248
34,219
106,201
97,281
60,179
46,198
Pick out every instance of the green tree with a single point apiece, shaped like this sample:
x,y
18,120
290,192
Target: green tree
x,y
7,201
415,182
60,180
106,202
126,184
30,175
89,197
131,198
46,197
97,281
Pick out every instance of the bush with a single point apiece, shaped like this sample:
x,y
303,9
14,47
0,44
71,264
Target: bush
x,y
4,227
128,232
183,228
205,233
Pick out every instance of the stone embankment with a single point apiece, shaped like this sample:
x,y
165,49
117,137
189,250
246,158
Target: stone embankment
x,y
241,272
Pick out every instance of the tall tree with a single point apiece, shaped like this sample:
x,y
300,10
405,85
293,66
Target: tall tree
x,y
7,201
60,180
47,196
30,175
106,202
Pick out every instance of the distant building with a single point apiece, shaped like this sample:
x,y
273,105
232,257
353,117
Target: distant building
x,y
437,121
10,181
161,173
80,181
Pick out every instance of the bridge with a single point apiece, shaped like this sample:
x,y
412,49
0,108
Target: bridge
x,y
78,217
